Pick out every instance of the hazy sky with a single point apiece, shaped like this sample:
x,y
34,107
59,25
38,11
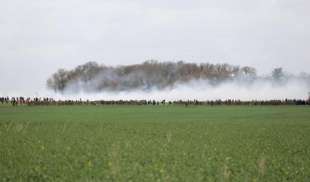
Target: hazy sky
x,y
39,36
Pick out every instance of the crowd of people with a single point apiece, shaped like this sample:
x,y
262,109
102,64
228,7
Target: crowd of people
x,y
15,101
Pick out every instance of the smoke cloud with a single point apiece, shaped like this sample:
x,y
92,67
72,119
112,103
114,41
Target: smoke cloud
x,y
92,77
154,80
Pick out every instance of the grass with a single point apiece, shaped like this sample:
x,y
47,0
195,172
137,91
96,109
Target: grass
x,y
155,143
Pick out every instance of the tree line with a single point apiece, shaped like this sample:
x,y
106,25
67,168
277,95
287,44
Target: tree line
x,y
93,77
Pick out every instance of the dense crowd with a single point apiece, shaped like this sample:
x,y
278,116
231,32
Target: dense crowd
x,y
15,101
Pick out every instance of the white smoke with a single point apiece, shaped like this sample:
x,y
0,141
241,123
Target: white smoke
x,y
201,90
259,89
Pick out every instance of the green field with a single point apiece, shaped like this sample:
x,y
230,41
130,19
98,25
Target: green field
x,y
155,143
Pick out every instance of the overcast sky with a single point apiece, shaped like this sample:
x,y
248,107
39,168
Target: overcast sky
x,y
39,36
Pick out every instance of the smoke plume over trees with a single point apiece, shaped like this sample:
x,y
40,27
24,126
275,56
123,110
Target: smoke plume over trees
x,y
177,80
93,77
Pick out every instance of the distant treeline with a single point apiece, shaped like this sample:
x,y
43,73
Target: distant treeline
x,y
93,77
15,101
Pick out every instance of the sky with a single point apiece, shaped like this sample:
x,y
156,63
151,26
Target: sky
x,y
37,37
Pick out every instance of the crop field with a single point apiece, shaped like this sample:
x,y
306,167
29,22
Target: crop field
x,y
154,143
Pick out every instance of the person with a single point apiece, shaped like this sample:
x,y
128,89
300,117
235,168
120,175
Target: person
x,y
13,101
